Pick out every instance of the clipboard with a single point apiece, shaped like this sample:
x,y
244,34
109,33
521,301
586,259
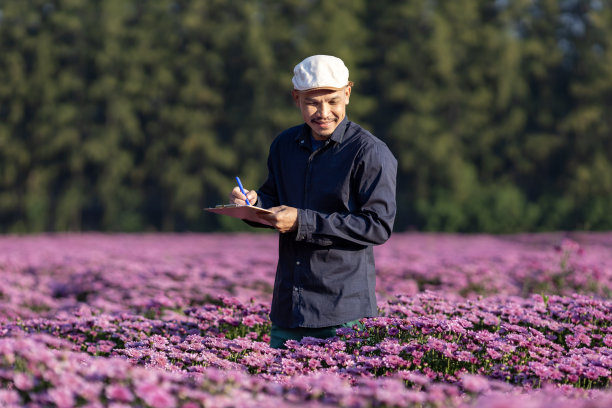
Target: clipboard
x,y
244,212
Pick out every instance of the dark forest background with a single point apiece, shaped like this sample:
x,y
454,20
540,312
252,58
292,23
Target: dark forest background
x,y
132,115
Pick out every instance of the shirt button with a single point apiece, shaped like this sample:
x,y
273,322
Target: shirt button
x,y
297,263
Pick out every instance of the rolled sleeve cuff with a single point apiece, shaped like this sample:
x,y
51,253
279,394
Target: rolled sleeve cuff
x,y
306,224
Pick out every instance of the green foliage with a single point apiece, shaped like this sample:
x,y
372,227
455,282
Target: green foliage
x,y
481,102
134,115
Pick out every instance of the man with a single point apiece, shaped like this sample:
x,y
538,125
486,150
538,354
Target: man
x,y
331,188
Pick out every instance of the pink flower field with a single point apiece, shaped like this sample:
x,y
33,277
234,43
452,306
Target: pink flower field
x,y
181,320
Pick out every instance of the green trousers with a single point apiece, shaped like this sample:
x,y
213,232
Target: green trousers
x,y
279,335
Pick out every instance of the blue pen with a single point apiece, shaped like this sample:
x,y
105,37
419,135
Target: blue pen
x,y
242,189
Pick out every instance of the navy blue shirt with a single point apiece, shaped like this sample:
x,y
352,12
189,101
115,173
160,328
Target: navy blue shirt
x,y
345,195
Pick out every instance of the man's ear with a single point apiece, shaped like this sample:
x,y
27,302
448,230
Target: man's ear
x,y
296,97
347,93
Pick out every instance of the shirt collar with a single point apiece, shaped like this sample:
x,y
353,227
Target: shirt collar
x,y
337,136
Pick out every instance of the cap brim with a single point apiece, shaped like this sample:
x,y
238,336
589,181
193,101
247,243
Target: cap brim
x,y
319,88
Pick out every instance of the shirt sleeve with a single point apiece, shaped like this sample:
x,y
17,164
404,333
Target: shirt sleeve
x,y
371,223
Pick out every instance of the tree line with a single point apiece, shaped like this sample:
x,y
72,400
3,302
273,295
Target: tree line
x,y
132,115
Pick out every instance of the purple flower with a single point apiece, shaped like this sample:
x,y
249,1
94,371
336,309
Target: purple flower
x,y
23,381
394,362
494,354
594,373
345,331
10,398
110,294
119,393
475,383
252,320
155,396
390,346
62,397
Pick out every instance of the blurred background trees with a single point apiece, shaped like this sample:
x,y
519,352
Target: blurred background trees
x,y
131,115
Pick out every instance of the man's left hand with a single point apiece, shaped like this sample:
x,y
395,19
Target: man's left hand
x,y
284,218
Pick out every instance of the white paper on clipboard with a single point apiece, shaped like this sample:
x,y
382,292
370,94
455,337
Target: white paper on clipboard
x,y
244,212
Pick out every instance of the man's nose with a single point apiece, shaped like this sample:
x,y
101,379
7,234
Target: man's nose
x,y
323,110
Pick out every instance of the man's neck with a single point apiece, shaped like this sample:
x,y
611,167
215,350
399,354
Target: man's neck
x,y
318,137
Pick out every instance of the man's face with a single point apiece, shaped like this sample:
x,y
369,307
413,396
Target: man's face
x,y
322,109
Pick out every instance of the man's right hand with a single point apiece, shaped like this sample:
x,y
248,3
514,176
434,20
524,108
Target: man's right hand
x,y
236,196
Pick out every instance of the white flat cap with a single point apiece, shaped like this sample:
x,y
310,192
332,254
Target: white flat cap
x,y
320,72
